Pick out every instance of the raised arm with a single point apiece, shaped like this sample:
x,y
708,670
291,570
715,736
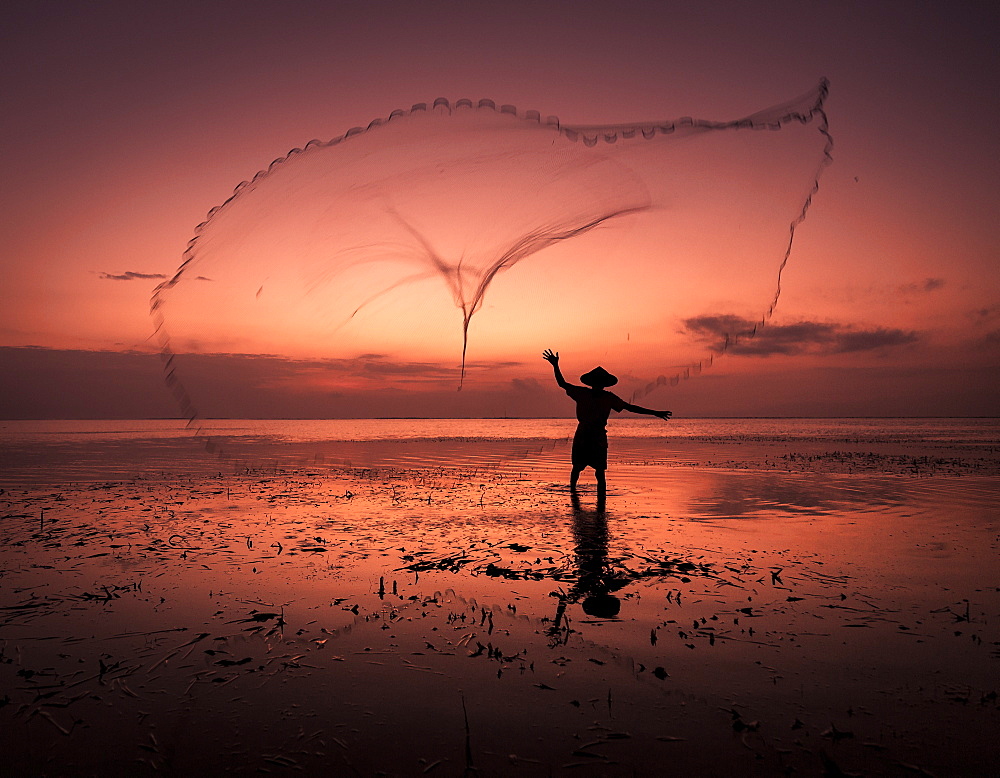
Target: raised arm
x,y
553,359
648,412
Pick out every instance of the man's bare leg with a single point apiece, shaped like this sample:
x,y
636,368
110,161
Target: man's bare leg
x,y
602,485
574,477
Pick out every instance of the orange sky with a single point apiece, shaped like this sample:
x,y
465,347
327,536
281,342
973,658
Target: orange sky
x,y
125,124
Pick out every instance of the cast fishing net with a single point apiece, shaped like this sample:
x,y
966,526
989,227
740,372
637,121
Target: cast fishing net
x,y
445,246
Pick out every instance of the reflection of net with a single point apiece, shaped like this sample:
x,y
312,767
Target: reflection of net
x,y
318,255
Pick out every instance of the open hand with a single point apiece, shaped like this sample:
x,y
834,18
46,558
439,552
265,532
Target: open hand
x,y
550,357
664,414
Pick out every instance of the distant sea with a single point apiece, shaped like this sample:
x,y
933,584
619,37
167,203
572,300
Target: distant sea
x,y
74,450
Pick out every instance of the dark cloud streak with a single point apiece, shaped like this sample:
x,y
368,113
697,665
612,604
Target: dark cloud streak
x,y
791,339
131,275
926,286
869,340
982,316
38,382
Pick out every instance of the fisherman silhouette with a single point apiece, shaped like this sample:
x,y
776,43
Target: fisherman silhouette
x,y
593,406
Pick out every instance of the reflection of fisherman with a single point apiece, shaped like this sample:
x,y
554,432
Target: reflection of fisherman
x,y
596,580
593,406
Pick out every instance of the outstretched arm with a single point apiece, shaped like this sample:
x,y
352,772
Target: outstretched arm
x,y
648,412
553,359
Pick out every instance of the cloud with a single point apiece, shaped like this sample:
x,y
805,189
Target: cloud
x,y
870,340
39,382
367,372
131,275
992,338
717,326
982,316
751,339
384,367
527,385
927,285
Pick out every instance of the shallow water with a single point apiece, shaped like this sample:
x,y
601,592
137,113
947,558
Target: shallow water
x,y
60,451
446,604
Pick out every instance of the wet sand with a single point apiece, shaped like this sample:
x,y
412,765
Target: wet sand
x,y
733,610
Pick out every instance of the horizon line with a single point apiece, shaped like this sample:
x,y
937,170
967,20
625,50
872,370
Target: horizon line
x,y
459,418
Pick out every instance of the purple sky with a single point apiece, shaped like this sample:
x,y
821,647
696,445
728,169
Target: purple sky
x,y
124,123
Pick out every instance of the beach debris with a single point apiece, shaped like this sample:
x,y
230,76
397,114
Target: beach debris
x,y
917,769
469,766
836,734
739,725
832,770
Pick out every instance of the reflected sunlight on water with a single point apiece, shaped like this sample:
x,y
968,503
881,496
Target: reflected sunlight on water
x,y
87,450
742,600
